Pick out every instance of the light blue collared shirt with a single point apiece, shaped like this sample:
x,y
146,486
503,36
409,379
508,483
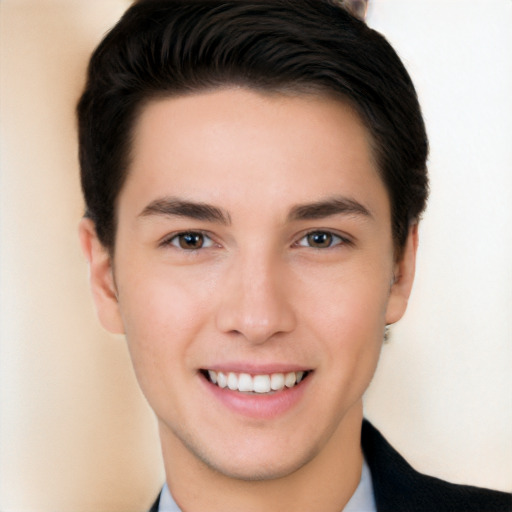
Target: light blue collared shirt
x,y
362,500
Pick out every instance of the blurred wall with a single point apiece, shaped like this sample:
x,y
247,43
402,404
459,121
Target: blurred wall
x,y
443,391
76,434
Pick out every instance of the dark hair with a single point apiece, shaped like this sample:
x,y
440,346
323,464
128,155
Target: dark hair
x,y
162,48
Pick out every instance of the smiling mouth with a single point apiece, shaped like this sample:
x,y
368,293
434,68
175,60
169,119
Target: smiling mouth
x,y
258,384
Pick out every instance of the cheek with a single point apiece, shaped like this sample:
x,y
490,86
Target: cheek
x,y
162,316
162,301
354,334
351,302
350,320
354,330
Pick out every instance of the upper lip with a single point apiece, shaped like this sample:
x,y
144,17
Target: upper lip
x,y
257,369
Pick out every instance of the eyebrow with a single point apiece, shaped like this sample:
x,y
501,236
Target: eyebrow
x,y
170,206
327,208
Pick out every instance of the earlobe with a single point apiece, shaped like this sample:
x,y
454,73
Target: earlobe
x,y
403,278
101,277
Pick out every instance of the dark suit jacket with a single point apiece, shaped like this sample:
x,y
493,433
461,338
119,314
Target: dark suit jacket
x,y
399,488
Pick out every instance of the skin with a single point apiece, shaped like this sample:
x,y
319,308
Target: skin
x,y
258,294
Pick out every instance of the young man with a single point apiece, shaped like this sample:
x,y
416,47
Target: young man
x,y
254,173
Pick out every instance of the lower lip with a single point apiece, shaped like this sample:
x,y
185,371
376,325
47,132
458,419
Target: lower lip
x,y
259,406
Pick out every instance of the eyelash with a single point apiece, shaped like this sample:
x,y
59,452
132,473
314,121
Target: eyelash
x,y
334,240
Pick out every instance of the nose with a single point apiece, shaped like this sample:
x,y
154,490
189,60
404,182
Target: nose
x,y
256,300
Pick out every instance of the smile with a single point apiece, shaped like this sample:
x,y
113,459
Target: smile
x,y
246,383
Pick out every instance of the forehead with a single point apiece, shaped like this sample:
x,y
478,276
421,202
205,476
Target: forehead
x,y
274,150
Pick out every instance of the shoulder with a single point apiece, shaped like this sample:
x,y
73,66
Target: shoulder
x,y
398,487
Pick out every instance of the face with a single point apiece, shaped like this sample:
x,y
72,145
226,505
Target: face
x,y
253,275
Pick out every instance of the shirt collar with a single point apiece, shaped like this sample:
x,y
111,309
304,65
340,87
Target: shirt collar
x,y
361,501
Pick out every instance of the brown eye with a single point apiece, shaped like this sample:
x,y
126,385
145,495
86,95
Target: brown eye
x,y
320,239
190,241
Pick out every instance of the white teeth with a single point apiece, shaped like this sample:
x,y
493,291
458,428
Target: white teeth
x,y
232,381
245,382
277,381
261,383
257,383
290,379
222,380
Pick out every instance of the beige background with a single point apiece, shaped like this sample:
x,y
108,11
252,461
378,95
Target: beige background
x,y
76,435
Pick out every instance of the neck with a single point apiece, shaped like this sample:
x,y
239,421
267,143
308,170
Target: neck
x,y
325,482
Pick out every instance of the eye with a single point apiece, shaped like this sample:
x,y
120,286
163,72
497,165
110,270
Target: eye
x,y
191,241
321,240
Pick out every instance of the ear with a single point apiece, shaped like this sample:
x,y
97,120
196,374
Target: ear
x,y
403,278
101,277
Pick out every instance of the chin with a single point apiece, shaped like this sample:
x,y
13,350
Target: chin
x,y
261,471
258,464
